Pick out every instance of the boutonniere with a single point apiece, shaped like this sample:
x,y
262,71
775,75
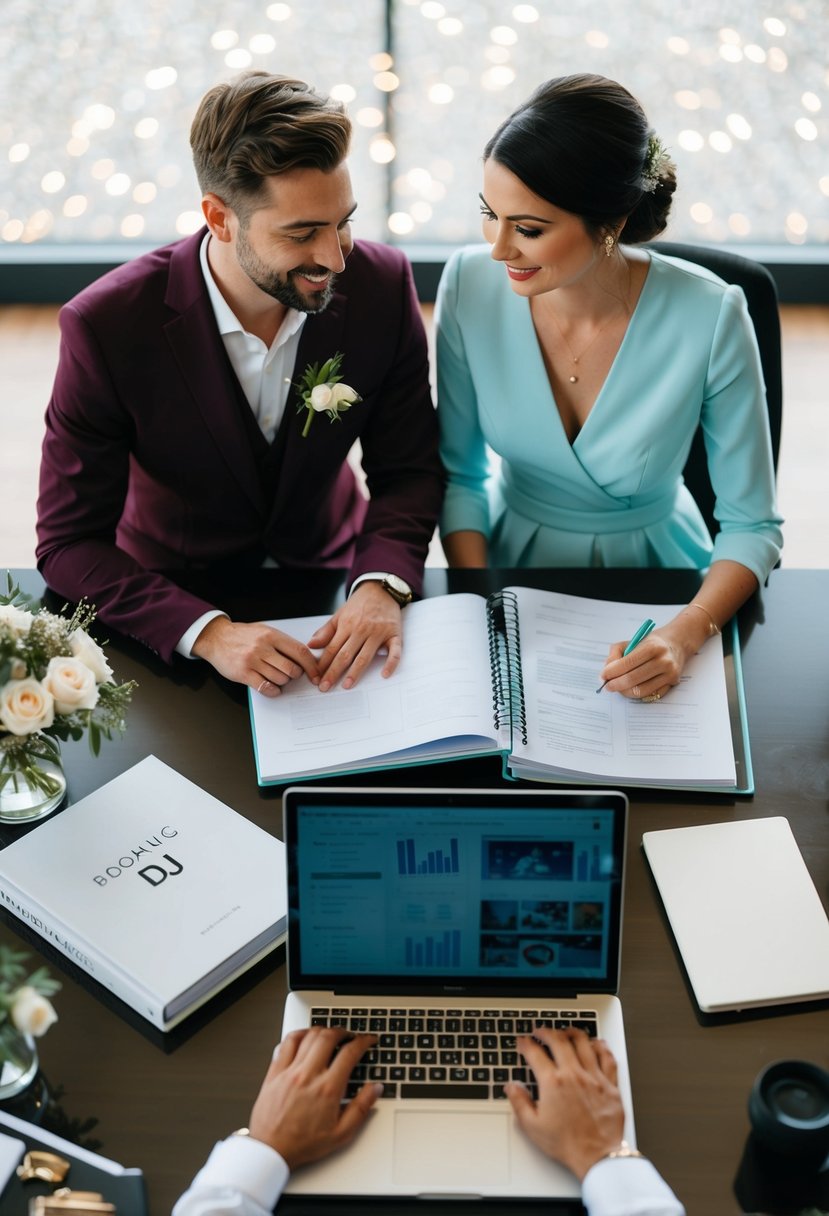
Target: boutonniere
x,y
322,391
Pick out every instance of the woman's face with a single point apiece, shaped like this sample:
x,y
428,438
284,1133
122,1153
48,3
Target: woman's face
x,y
541,246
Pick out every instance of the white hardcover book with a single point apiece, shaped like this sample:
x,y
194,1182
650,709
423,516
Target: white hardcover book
x,y
157,889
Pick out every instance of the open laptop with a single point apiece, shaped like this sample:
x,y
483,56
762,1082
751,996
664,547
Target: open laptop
x,y
447,922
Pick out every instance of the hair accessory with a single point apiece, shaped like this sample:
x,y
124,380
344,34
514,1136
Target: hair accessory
x,y
609,244
657,161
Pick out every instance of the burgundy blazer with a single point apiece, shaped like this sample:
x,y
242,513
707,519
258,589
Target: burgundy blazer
x,y
149,463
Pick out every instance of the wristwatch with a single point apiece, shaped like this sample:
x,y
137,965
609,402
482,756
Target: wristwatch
x,y
398,589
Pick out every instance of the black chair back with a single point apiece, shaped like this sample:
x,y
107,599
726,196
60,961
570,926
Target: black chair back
x,y
761,297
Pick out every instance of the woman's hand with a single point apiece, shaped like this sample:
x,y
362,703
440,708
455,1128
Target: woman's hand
x,y
656,665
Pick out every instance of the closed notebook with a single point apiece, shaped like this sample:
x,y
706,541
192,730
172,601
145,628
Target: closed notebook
x,y
747,919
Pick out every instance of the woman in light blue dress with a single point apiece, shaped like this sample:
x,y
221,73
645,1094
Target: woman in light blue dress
x,y
574,369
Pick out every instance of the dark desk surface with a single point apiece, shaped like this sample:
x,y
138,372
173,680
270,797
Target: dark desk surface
x,y
163,1110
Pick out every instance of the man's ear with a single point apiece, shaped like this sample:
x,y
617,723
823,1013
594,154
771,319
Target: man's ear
x,y
218,216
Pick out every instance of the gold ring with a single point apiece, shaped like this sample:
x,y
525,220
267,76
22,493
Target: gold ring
x,y
656,696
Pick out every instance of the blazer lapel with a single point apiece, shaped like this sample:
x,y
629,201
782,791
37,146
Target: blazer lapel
x,y
321,338
198,349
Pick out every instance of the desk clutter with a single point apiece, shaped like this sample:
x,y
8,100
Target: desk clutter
x,y
45,1175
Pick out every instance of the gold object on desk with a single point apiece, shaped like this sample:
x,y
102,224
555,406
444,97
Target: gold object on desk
x,y
47,1167
81,1203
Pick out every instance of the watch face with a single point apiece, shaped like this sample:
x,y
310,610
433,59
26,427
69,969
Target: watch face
x,y
397,588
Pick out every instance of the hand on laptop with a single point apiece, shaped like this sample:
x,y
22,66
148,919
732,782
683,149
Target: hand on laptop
x,y
298,1110
578,1118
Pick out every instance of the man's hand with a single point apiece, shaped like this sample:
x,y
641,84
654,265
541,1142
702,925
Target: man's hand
x,y
367,621
578,1118
254,654
298,1111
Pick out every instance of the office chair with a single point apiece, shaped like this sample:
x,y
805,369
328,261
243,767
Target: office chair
x,y
761,297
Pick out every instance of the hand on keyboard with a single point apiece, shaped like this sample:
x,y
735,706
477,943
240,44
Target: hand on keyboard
x,y
578,1118
299,1109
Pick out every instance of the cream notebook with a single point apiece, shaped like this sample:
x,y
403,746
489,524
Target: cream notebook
x,y
748,921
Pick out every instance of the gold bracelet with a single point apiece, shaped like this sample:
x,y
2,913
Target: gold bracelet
x,y
713,627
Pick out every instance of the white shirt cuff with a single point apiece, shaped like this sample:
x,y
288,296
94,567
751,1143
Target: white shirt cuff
x,y
628,1187
243,1165
187,642
376,576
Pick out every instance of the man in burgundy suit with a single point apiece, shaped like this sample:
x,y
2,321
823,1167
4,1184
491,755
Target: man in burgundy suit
x,y
173,438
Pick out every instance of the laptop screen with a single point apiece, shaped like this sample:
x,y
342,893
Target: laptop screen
x,y
418,891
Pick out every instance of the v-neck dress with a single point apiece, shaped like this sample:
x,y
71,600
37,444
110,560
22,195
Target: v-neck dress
x,y
615,496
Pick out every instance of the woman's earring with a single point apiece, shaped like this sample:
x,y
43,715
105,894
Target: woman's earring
x,y
609,244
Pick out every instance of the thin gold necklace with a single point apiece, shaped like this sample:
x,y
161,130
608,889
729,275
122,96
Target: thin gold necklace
x,y
576,357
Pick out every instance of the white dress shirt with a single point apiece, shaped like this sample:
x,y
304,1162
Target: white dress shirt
x,y
244,1177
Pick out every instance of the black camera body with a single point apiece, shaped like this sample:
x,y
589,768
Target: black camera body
x,y
785,1164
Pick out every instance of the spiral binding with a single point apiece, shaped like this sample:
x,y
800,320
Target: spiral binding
x,y
508,705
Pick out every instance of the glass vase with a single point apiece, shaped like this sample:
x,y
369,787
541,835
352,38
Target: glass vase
x,y
31,786
18,1061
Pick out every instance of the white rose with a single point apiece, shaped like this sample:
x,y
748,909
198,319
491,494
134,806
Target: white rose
x,y
72,684
26,707
342,396
90,654
321,397
17,619
31,1012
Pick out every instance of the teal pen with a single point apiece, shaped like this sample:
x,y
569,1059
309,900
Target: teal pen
x,y
640,635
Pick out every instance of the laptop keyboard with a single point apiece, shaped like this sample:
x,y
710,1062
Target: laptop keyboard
x,y
446,1053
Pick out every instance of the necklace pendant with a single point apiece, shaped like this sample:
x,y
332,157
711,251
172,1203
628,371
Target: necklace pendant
x,y
574,379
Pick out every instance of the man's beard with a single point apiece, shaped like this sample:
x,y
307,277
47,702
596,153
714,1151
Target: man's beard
x,y
283,287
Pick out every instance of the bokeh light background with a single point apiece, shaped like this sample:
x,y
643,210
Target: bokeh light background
x,y
96,100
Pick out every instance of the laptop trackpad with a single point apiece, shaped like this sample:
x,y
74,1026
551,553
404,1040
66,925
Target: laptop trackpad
x,y
459,1150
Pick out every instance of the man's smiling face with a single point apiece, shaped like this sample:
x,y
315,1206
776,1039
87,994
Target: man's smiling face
x,y
296,241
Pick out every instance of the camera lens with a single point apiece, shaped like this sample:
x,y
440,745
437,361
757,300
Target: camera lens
x,y
789,1109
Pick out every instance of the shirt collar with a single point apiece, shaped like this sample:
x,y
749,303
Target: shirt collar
x,y
226,319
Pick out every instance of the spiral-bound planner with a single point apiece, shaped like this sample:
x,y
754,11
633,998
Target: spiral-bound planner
x,y
514,674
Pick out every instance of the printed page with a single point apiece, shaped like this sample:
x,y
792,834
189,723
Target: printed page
x,y
438,702
684,739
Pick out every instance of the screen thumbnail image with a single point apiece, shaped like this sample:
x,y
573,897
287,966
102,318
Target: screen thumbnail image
x,y
545,914
528,859
588,915
499,914
498,951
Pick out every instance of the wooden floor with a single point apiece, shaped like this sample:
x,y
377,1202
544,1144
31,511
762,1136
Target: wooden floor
x,y
28,356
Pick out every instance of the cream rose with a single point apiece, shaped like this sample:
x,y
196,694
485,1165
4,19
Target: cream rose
x,y
321,397
32,1013
71,683
90,654
342,396
26,707
17,619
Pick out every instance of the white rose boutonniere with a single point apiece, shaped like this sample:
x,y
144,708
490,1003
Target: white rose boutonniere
x,y
322,391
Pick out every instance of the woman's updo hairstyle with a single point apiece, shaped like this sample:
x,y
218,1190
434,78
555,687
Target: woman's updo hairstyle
x,y
583,144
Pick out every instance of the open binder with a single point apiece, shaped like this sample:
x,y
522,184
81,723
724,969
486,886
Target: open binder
x,y
514,674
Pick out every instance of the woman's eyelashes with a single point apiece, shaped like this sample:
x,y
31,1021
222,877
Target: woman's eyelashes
x,y
519,228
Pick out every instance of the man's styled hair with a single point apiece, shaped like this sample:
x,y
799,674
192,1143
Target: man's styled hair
x,y
259,126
